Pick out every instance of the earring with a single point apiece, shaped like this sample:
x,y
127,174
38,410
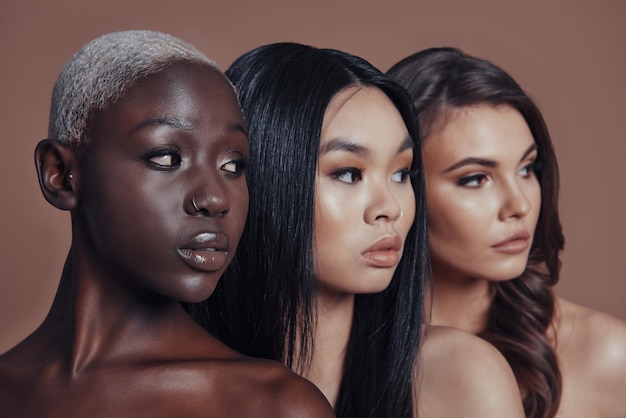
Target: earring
x,y
193,202
70,176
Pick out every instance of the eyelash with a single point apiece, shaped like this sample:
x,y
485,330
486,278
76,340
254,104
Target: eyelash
x,y
240,164
356,174
407,173
529,169
175,158
533,167
352,171
240,167
478,178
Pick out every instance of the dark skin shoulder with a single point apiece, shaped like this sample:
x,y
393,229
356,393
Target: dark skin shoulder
x,y
186,384
270,389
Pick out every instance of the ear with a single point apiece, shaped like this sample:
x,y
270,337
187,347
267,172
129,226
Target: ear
x,y
57,170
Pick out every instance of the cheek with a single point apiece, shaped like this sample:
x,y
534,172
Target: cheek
x,y
331,203
456,221
332,210
326,223
336,235
151,215
162,204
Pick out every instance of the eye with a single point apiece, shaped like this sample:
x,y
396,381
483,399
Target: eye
x,y
403,175
348,175
235,167
164,158
530,169
474,180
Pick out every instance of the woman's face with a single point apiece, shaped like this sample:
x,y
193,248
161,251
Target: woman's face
x,y
364,200
176,139
483,197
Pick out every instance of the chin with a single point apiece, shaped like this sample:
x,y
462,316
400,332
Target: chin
x,y
367,285
505,275
197,291
375,286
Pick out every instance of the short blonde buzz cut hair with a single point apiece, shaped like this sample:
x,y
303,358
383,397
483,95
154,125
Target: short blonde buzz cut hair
x,y
101,72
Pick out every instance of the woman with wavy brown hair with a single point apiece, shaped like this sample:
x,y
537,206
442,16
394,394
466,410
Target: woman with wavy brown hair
x,y
494,235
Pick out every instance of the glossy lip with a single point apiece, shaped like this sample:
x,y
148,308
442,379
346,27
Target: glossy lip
x,y
207,251
384,253
515,244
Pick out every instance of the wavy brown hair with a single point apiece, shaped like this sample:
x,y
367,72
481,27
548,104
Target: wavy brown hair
x,y
441,80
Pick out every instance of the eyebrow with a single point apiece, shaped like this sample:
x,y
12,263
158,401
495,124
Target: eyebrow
x,y
484,161
341,144
238,127
181,124
171,122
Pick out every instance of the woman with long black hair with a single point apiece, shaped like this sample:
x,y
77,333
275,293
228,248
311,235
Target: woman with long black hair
x,y
329,274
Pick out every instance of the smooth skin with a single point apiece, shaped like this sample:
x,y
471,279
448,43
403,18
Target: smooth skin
x,y
464,376
364,208
483,199
116,342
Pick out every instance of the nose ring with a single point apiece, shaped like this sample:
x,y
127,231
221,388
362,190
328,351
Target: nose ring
x,y
193,202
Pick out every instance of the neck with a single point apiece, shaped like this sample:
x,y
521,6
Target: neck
x,y
93,320
461,303
332,333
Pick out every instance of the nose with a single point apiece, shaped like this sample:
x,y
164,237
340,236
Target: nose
x,y
208,198
516,203
383,206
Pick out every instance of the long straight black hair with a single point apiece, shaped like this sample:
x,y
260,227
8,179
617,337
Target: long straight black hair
x,y
440,81
264,306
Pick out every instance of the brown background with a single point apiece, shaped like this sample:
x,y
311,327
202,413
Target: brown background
x,y
569,55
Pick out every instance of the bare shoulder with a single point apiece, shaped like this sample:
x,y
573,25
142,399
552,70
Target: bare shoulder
x,y
256,387
223,382
196,384
591,347
587,333
460,366
287,394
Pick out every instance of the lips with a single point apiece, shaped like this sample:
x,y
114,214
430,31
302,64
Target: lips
x,y
384,253
516,243
207,251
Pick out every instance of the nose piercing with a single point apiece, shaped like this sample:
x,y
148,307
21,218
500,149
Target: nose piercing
x,y
193,202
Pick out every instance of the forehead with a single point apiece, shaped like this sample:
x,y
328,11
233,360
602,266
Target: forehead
x,y
359,111
181,79
479,131
192,91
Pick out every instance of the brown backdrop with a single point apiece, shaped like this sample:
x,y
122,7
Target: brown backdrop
x,y
569,55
